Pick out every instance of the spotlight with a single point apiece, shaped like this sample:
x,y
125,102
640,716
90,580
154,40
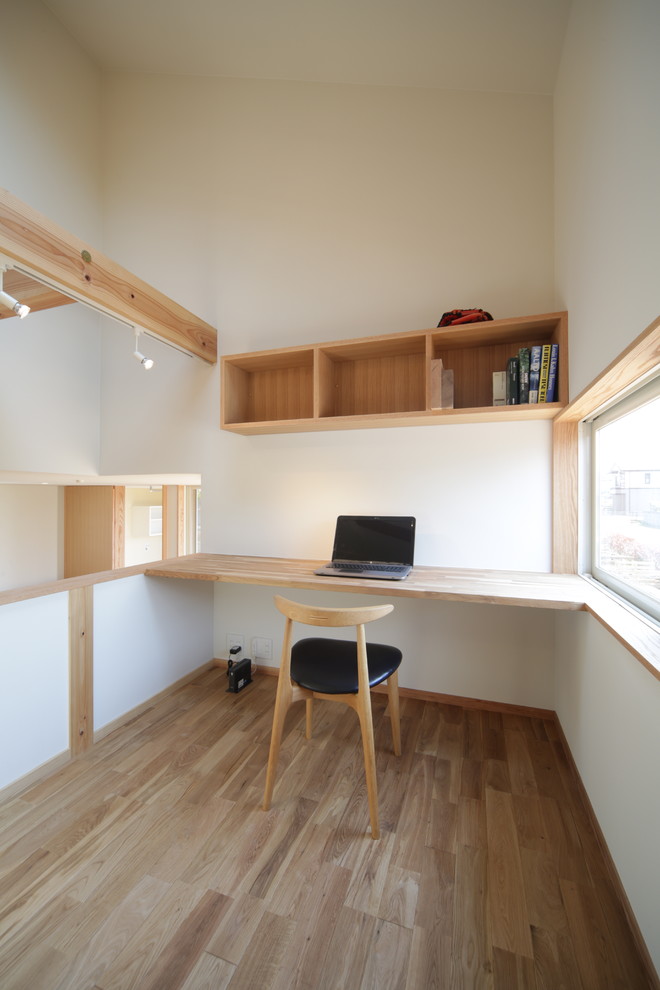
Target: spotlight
x,y
146,362
20,309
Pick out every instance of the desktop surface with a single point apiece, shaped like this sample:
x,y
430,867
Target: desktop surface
x,y
527,588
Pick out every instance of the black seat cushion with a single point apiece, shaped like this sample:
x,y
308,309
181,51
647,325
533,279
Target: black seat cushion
x,y
330,665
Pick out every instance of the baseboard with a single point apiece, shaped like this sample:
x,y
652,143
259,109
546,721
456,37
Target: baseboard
x,y
442,699
640,944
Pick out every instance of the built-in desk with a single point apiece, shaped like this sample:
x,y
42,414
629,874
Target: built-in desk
x,y
526,588
536,590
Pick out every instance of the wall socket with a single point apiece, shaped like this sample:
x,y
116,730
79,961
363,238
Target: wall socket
x,y
262,648
235,639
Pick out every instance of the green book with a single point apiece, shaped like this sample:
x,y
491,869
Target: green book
x,y
512,382
523,365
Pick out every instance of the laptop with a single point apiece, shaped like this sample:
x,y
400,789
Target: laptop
x,y
372,547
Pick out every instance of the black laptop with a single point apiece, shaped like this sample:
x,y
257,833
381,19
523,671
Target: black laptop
x,y
372,547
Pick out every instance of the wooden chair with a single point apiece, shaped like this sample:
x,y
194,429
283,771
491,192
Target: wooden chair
x,y
335,670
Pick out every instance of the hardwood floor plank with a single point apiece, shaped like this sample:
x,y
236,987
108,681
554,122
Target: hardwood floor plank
x,y
209,973
437,889
182,951
388,960
236,929
89,966
555,964
148,861
597,961
369,872
429,963
315,923
398,902
348,951
266,952
512,972
133,965
521,768
471,950
506,890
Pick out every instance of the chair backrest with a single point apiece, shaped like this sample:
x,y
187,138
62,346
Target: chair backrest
x,y
315,615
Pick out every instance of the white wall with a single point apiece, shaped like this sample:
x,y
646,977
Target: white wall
x,y
50,392
607,148
50,122
165,633
49,119
30,529
298,212
509,659
34,679
608,705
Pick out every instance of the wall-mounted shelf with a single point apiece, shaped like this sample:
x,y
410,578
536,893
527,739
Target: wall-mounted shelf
x,y
385,381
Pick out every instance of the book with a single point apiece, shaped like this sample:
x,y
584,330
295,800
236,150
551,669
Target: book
x,y
523,363
551,395
545,368
499,388
512,382
534,372
442,386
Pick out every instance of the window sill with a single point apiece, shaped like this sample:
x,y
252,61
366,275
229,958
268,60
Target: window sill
x,y
636,631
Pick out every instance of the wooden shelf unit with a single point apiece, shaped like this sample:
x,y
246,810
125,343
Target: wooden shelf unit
x,y
386,380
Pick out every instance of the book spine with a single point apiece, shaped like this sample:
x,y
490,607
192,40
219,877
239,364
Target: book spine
x,y
512,382
545,368
499,388
523,362
534,372
552,374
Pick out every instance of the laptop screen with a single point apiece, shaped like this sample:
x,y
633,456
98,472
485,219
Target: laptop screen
x,y
389,539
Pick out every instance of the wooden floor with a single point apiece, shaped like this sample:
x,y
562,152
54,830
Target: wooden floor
x,y
148,863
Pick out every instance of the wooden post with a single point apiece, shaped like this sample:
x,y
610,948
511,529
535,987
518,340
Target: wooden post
x,y
81,660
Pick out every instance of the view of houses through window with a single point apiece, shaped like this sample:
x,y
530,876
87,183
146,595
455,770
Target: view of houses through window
x,y
626,538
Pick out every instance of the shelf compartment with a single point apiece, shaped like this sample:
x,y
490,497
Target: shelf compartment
x,y
268,386
372,377
475,351
383,381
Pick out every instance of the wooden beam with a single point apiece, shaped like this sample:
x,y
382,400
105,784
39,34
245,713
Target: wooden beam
x,y
68,263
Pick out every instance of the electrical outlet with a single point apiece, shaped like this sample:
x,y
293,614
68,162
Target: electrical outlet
x,y
235,639
262,648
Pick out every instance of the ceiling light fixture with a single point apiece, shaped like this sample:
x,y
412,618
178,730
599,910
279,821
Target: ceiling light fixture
x,y
146,362
20,309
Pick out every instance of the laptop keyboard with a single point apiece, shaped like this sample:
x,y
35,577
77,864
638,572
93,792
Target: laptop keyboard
x,y
383,568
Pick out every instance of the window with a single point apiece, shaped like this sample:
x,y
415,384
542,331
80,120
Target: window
x,y
626,497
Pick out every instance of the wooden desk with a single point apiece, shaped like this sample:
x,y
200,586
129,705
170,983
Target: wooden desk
x,y
530,589
526,588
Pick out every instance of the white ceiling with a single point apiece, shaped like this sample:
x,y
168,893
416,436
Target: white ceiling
x,y
491,45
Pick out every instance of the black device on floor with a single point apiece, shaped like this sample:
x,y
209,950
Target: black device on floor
x,y
239,674
372,547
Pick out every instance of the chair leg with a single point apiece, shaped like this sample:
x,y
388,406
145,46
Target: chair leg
x,y
282,703
395,719
308,717
367,726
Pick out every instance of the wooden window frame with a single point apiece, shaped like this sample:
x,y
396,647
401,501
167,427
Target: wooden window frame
x,y
638,362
